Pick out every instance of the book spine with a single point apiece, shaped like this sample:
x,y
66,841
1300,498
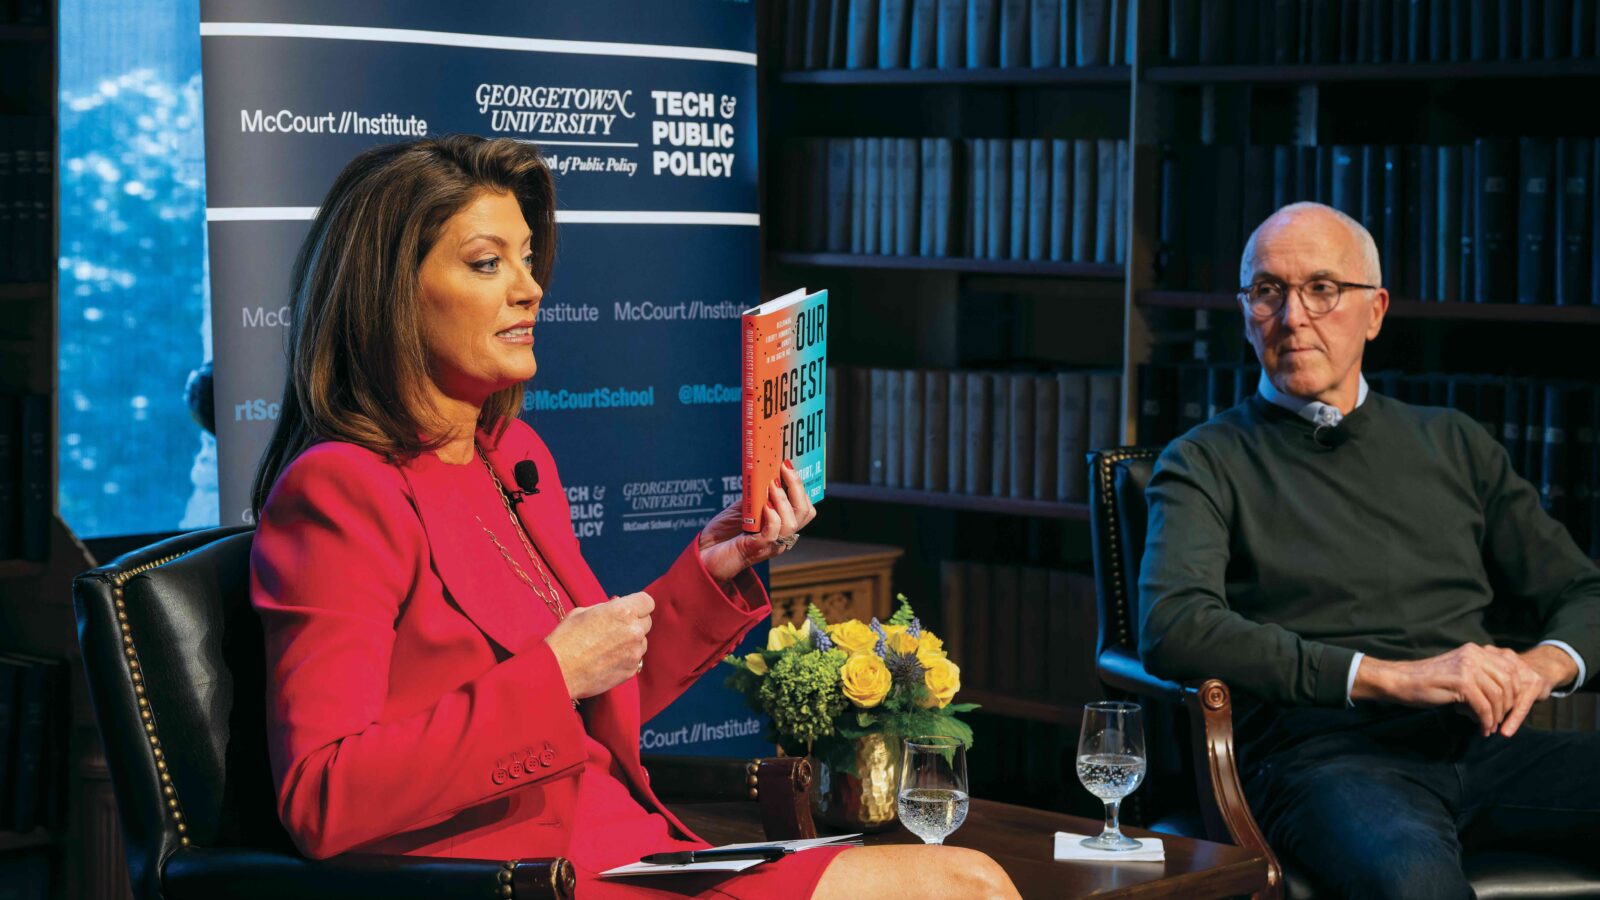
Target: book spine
x,y
1573,217
1060,200
1105,208
924,24
838,34
878,438
831,387
1014,34
872,208
1020,445
839,209
999,186
858,195
1094,33
936,432
1553,471
1467,178
953,609
1393,204
1119,220
862,43
29,731
1033,656
944,196
816,49
1000,435
911,472
750,502
1044,30
1046,428
888,186
893,32
1534,214
983,33
1020,202
978,198
794,34
928,195
1038,198
1183,32
894,474
979,428
956,456
1448,236
906,190
952,34
1428,223
1105,398
1004,636
1085,193
1073,436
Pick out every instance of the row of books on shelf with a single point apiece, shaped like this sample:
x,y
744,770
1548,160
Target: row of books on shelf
x,y
955,34
1492,221
24,476
1548,427
34,726
1024,631
1038,199
1326,32
27,184
1021,435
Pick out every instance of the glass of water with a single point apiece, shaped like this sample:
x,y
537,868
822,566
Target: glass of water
x,y
933,787
1111,763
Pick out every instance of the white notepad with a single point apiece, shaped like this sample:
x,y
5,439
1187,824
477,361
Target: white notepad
x,y
731,865
1069,850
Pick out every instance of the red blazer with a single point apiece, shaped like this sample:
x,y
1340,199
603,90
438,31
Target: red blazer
x,y
412,704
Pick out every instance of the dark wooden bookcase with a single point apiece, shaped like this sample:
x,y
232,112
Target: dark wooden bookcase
x,y
913,311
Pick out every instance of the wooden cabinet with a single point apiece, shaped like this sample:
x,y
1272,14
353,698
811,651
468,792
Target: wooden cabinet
x,y
845,579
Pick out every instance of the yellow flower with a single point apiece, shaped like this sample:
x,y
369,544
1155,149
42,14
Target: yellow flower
x,y
900,642
787,635
756,663
853,637
929,648
866,680
943,679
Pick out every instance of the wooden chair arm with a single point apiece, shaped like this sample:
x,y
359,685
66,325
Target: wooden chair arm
x,y
1223,806
780,784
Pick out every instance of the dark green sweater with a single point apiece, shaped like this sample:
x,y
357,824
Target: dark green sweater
x,y
1272,560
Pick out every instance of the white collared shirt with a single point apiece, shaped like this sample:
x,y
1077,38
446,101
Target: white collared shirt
x,y
1324,414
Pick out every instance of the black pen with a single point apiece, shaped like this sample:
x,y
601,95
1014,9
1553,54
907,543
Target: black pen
x,y
685,857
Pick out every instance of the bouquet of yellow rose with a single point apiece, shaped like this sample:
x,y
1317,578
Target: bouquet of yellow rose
x,y
823,686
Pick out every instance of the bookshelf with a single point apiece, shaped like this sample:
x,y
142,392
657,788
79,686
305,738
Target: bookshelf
x,y
974,311
1398,309
1088,75
967,265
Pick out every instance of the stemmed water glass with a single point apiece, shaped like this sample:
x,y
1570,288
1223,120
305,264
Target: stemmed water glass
x,y
1111,764
933,787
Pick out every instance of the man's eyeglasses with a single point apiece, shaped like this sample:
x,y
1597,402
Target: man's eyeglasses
x,y
1319,295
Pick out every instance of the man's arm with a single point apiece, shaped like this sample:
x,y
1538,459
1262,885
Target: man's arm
x,y
1187,629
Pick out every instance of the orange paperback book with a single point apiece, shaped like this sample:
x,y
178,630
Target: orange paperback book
x,y
785,370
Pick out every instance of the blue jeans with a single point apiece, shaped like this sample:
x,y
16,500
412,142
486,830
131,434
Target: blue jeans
x,y
1380,809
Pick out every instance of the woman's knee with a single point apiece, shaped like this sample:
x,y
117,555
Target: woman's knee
x,y
974,874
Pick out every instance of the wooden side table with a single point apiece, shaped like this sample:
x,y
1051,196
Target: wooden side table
x,y
845,579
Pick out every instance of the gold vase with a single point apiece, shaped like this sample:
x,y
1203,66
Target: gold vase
x,y
864,801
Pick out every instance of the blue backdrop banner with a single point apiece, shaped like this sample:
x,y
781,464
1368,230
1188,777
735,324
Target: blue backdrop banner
x,y
646,113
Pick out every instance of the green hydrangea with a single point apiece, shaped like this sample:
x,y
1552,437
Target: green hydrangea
x,y
802,694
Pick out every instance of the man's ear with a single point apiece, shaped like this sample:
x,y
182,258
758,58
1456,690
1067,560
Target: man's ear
x,y
1380,309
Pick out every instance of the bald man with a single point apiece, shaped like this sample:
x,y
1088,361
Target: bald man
x,y
1331,553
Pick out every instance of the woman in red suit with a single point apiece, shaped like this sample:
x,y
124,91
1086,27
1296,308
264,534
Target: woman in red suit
x,y
446,676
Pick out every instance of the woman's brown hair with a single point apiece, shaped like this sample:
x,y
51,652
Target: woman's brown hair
x,y
357,362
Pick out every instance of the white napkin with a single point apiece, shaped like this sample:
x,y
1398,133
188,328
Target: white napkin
x,y
1069,850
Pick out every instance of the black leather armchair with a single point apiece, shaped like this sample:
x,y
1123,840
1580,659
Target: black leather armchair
x,y
1193,787
176,674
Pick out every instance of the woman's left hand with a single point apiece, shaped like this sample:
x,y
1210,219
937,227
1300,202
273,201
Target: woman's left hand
x,y
726,549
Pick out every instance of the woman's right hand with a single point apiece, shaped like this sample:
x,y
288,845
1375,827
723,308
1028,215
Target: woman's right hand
x,y
599,647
